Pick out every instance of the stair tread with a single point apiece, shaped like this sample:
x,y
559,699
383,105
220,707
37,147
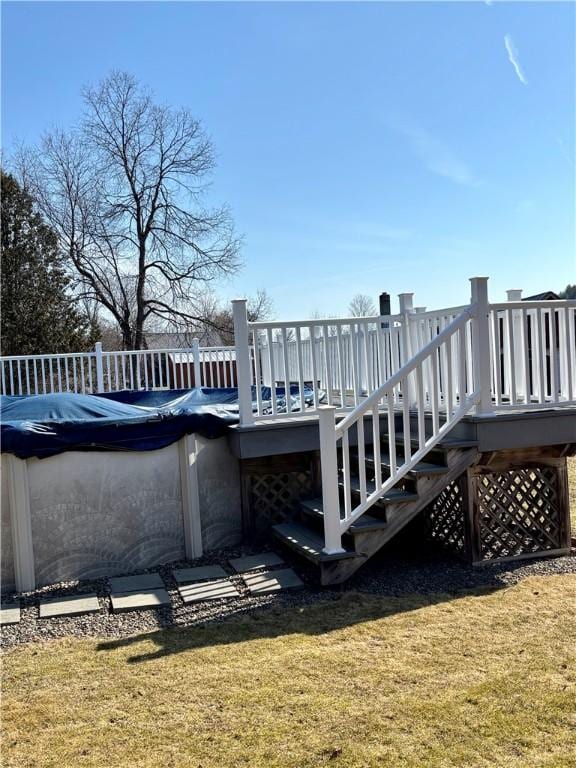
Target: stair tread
x,y
449,442
364,523
307,542
394,496
421,468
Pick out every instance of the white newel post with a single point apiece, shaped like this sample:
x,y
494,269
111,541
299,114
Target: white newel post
x,y
243,362
516,343
99,367
481,343
329,472
196,358
406,301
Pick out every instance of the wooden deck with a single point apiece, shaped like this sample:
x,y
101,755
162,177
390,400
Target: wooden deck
x,y
499,431
494,489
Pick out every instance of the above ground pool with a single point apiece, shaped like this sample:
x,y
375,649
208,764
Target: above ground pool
x,y
45,425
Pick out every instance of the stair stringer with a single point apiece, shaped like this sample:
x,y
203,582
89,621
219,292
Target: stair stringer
x,y
398,516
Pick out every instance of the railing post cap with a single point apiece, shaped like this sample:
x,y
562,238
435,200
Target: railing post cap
x,y
406,301
239,301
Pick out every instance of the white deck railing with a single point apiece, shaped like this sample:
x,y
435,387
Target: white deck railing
x,y
533,345
103,371
531,363
480,358
532,351
345,359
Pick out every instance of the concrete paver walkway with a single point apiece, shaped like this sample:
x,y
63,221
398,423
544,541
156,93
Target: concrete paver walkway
x,y
208,590
250,563
272,581
202,573
69,606
145,598
9,614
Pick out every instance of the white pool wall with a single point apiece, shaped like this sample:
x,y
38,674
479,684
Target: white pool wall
x,y
87,515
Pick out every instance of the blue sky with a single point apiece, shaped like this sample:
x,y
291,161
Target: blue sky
x,y
362,147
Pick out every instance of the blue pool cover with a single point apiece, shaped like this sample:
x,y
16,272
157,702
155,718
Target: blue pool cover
x,y
45,425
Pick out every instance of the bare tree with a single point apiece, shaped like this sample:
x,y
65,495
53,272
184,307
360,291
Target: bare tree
x,y
125,193
317,315
259,307
362,306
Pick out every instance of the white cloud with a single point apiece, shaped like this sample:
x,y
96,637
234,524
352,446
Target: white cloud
x,y
513,57
440,159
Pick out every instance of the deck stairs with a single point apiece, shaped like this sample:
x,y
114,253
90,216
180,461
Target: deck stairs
x,y
445,462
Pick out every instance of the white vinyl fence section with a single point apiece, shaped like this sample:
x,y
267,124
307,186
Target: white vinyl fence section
x,y
103,371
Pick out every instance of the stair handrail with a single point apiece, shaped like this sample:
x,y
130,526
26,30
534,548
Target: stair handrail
x,y
438,354
406,369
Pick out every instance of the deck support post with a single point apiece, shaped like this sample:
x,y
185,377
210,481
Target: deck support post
x,y
99,367
243,362
481,344
329,471
196,359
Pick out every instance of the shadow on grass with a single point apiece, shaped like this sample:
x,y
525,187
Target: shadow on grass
x,y
406,575
320,617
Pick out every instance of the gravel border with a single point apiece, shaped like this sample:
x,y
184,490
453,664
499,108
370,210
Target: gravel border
x,y
388,573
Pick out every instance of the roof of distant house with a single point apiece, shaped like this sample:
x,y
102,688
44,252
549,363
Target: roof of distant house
x,y
182,339
546,296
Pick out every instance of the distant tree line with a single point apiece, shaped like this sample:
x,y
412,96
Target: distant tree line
x,y
569,292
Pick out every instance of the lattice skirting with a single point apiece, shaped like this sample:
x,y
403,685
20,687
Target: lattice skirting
x,y
519,511
444,519
503,511
272,489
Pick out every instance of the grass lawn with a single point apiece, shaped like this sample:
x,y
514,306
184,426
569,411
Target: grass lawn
x,y
482,680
